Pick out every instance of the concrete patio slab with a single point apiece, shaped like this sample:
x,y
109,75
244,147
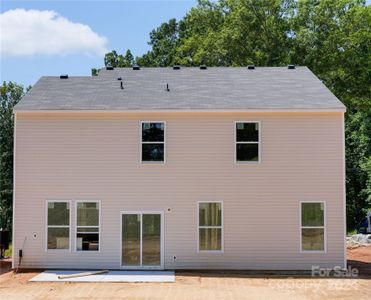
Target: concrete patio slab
x,y
111,276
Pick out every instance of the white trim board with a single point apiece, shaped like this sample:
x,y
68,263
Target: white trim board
x,y
154,111
15,247
344,192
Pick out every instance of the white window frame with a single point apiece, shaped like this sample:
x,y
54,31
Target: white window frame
x,y
141,143
58,226
258,143
162,230
99,226
199,227
324,227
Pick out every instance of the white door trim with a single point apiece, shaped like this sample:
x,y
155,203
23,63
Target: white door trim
x,y
141,212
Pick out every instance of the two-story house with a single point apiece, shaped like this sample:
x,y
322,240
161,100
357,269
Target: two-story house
x,y
180,168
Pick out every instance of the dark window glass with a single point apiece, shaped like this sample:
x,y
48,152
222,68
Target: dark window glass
x,y
247,152
152,152
247,132
58,213
153,132
87,242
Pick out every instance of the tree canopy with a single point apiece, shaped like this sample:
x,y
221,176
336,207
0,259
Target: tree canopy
x,y
10,94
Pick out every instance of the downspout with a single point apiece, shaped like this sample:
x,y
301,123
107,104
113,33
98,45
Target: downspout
x,y
14,164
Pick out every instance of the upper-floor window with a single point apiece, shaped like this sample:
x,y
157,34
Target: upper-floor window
x,y
153,142
58,225
87,226
247,142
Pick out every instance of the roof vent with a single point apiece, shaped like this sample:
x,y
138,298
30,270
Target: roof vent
x,y
136,67
109,68
63,76
203,67
291,67
119,78
176,67
167,87
121,85
251,67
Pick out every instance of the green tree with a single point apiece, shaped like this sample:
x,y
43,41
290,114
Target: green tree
x,y
94,72
358,165
10,94
129,58
115,60
237,33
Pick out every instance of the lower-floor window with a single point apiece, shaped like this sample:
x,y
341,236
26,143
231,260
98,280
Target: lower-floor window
x,y
87,226
210,226
58,225
312,226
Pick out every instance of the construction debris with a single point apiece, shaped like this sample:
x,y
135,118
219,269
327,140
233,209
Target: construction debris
x,y
358,240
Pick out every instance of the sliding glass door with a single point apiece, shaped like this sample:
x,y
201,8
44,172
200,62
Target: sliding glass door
x,y
141,240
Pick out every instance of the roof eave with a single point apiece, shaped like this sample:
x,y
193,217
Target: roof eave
x,y
263,110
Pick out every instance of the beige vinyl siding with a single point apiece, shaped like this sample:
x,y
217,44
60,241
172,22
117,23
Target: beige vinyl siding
x,y
96,156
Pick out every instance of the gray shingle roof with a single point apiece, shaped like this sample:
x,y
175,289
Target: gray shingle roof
x,y
190,89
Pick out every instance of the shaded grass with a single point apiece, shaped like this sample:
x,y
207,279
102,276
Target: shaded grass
x,y
352,232
8,253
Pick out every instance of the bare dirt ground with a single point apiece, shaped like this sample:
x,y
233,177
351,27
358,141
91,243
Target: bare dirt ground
x,y
360,258
190,285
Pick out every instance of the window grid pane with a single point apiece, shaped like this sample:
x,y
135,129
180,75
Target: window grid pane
x,y
247,132
210,239
313,239
210,214
88,214
153,151
247,152
58,238
312,214
153,132
58,213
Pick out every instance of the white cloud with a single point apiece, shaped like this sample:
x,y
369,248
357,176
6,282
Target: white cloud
x,y
31,32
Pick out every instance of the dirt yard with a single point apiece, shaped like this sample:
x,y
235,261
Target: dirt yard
x,y
200,286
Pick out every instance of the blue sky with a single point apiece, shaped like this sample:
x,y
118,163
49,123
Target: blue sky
x,y
71,37
115,25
